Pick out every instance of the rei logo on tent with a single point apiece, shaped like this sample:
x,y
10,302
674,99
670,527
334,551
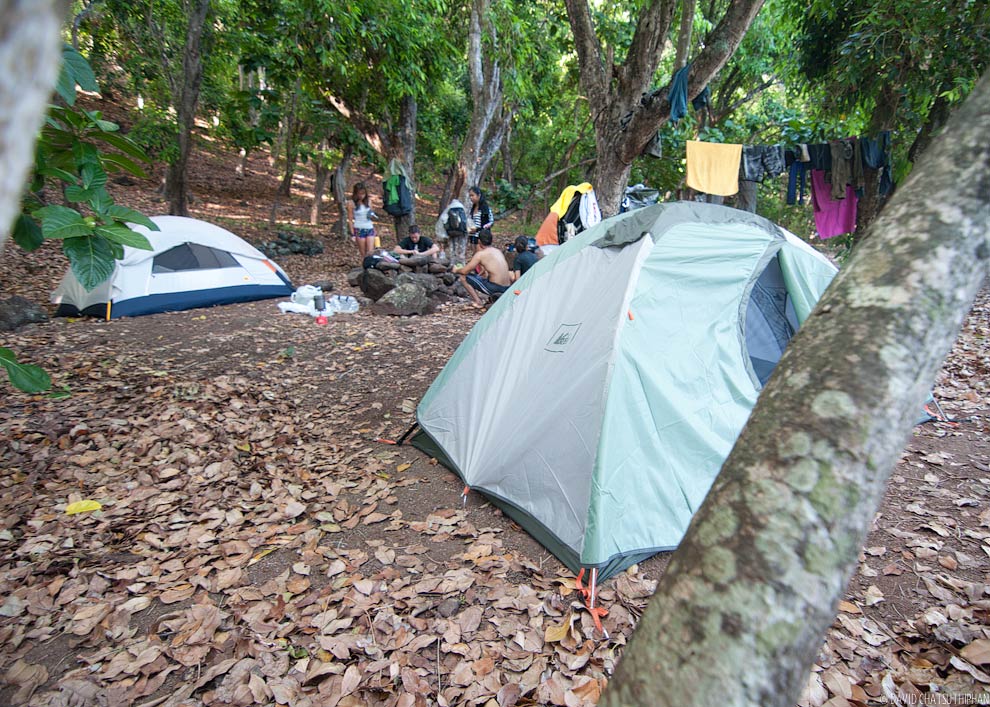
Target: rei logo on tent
x,y
564,335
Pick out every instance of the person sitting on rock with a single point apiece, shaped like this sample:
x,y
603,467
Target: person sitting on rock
x,y
416,250
492,263
525,258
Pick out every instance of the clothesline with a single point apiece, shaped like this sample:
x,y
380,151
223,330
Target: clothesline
x,y
837,174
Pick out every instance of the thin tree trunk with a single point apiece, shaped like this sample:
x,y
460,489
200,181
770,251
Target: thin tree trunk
x,y
684,35
489,118
176,180
743,606
322,176
507,173
340,190
30,58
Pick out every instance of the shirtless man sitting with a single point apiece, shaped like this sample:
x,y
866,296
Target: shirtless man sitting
x,y
493,264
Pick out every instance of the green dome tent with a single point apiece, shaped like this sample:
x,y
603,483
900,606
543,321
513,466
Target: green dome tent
x,y
596,402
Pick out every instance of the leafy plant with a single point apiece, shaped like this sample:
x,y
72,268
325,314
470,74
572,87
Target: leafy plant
x,y
93,229
76,151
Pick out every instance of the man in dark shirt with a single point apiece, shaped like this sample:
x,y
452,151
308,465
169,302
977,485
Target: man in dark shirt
x,y
525,258
416,250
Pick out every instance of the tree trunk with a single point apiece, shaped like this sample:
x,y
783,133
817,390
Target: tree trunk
x,y
489,119
507,173
684,35
870,204
402,147
316,210
340,190
626,111
742,609
30,57
176,182
289,143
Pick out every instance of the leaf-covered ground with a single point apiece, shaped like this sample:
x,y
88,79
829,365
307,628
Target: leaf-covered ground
x,y
257,544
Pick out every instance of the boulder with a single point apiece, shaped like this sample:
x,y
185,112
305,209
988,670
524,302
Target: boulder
x,y
354,277
375,283
17,311
404,300
448,278
324,285
427,282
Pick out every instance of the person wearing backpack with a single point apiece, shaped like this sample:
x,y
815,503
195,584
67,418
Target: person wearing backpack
x,y
360,215
455,225
481,216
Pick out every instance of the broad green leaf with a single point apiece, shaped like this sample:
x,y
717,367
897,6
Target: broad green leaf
x,y
24,376
76,193
122,143
93,175
84,153
78,68
124,236
27,233
56,173
91,259
101,202
118,163
122,213
62,222
66,86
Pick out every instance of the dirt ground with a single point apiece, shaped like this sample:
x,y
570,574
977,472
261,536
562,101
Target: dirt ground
x,y
259,544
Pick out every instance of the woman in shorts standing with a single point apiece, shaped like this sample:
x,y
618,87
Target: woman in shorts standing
x,y
359,214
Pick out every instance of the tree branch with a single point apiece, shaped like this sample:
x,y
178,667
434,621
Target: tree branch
x,y
589,50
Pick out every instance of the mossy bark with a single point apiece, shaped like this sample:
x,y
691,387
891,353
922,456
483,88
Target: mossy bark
x,y
743,607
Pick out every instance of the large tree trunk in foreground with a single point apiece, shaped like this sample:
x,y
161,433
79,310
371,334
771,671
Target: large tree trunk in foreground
x,y
29,64
625,110
741,612
176,179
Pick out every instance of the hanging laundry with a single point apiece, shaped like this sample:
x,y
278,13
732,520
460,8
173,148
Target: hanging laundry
x,y
713,168
746,198
832,218
797,182
677,94
875,153
820,157
703,99
760,161
842,167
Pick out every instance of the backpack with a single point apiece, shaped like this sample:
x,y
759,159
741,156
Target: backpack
x,y
456,222
397,197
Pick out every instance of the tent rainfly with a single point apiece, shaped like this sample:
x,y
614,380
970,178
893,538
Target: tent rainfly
x,y
596,401
191,264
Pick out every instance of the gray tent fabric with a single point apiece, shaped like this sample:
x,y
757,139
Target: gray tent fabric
x,y
627,363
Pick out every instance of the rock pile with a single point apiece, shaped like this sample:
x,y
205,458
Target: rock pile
x,y
403,293
291,244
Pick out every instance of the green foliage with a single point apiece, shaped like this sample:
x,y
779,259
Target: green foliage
x,y
156,133
24,376
76,151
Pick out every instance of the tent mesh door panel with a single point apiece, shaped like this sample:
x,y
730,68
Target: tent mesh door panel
x,y
770,320
192,256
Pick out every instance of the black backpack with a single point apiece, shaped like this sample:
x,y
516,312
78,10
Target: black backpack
x,y
456,222
397,197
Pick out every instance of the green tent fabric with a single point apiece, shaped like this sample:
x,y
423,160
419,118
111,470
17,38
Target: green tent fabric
x,y
625,365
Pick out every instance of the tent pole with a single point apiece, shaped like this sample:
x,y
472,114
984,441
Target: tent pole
x,y
108,310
